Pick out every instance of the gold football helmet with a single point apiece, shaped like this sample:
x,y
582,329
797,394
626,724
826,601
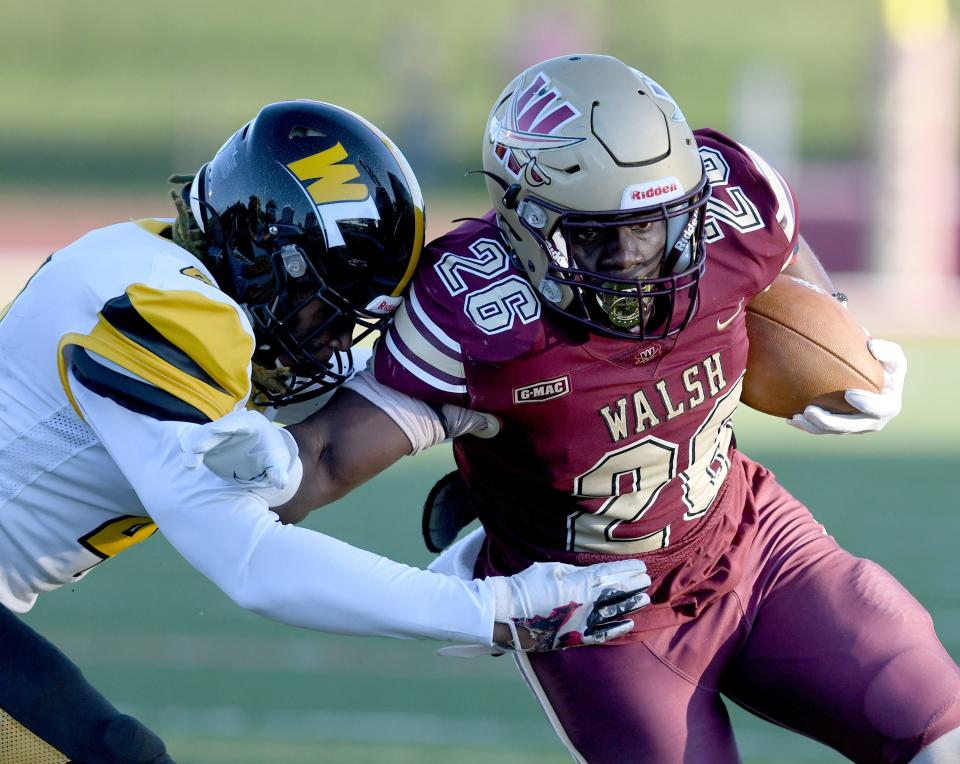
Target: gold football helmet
x,y
587,160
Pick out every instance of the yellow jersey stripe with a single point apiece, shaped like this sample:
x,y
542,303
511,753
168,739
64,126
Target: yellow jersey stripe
x,y
152,225
207,330
20,746
114,346
184,343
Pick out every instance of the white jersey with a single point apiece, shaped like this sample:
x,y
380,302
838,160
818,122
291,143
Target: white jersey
x,y
116,345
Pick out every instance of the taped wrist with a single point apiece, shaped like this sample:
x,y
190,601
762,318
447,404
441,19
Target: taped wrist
x,y
418,421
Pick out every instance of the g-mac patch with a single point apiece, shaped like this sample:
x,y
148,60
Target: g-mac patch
x,y
545,390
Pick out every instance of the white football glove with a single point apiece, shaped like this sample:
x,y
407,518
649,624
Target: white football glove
x,y
875,409
552,605
247,449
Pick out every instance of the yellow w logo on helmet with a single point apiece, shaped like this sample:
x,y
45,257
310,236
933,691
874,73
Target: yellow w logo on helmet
x,y
331,180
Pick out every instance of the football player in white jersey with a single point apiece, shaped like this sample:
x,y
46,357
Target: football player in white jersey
x,y
306,224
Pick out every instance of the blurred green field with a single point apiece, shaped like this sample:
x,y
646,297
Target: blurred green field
x,y
129,92
222,685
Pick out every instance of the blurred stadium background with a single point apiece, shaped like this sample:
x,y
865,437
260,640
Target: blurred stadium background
x,y
855,102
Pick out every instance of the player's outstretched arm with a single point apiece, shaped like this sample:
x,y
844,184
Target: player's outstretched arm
x,y
362,431
303,578
306,465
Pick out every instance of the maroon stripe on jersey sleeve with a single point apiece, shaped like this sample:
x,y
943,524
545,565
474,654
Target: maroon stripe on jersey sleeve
x,y
407,358
425,333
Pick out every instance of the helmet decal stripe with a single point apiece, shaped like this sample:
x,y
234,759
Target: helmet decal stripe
x,y
535,117
331,180
418,236
397,353
555,119
532,119
523,96
516,139
529,116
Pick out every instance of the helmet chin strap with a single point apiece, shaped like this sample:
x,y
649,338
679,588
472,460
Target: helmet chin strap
x,y
185,232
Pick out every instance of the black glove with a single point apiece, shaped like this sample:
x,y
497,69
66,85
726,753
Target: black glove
x,y
446,512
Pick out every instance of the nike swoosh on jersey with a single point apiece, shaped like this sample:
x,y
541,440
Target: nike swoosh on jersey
x,y
721,325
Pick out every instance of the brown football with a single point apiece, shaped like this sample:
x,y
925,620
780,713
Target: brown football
x,y
805,347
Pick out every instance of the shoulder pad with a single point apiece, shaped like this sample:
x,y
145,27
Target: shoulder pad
x,y
170,354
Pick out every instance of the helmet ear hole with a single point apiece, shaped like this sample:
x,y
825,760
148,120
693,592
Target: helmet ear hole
x,y
509,199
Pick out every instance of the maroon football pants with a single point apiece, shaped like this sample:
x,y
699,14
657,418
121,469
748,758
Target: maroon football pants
x,y
813,639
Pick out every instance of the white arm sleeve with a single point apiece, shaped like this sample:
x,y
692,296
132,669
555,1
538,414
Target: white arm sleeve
x,y
290,574
420,422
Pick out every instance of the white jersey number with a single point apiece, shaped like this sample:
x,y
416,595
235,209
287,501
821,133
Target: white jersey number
x,y
498,304
632,477
740,214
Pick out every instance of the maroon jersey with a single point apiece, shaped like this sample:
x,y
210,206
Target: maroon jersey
x,y
606,446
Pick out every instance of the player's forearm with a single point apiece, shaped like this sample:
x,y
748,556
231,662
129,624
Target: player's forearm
x,y
302,578
320,484
342,446
807,266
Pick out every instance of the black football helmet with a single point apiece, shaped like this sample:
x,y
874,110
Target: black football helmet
x,y
314,223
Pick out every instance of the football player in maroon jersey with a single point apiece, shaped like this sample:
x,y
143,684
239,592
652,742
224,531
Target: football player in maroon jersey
x,y
585,345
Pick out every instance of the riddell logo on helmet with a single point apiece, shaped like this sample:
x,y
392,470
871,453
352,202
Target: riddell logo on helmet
x,y
652,193
384,305
644,194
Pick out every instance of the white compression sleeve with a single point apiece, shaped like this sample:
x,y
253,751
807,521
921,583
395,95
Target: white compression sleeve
x,y
421,423
290,574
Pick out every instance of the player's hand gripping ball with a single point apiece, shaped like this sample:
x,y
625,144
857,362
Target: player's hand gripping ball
x,y
872,410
